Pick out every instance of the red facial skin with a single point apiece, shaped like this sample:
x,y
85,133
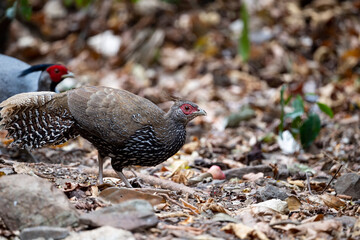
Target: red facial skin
x,y
188,109
56,72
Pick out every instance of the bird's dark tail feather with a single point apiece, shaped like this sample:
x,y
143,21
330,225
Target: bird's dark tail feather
x,y
35,68
33,122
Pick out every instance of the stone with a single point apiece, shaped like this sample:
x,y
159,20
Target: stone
x,y
272,192
28,201
348,184
129,215
45,232
106,232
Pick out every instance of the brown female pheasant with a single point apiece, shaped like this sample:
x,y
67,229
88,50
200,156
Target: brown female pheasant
x,y
129,129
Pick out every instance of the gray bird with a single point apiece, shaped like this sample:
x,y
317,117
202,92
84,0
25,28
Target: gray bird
x,y
18,77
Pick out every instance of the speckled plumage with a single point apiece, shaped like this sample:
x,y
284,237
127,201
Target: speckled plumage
x,y
128,128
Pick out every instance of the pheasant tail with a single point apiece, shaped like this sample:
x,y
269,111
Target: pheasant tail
x,y
37,119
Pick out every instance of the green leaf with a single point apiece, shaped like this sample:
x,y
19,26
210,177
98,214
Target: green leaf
x,y
68,3
244,41
82,3
326,109
295,125
310,130
298,105
288,100
25,9
282,104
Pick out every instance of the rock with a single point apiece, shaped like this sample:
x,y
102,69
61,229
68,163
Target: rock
x,y
129,215
272,192
348,184
270,206
240,172
45,232
28,201
106,232
347,221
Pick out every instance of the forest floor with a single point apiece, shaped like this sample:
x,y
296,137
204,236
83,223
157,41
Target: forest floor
x,y
282,127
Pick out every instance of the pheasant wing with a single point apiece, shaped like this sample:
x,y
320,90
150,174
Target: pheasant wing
x,y
111,114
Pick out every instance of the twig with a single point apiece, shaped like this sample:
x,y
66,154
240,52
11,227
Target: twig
x,y
176,203
163,183
308,182
44,176
332,179
284,222
172,215
152,190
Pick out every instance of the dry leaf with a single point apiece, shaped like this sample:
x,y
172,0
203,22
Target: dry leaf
x,y
356,232
191,146
332,201
188,205
182,176
270,206
119,195
252,177
294,203
187,221
21,168
244,232
94,191
315,228
211,205
316,218
298,183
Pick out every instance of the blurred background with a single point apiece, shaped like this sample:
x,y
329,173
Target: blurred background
x,y
230,57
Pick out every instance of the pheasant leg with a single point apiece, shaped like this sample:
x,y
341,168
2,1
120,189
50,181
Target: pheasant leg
x,y
124,179
101,163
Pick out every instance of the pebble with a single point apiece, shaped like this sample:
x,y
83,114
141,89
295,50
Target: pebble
x,y
106,232
45,232
348,184
130,215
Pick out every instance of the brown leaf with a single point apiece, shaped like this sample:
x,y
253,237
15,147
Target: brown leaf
x,y
315,228
119,195
252,177
294,203
244,232
298,183
332,201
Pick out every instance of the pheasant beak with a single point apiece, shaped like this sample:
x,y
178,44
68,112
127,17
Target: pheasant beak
x,y
200,112
69,75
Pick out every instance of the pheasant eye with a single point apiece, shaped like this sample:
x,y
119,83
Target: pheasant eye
x,y
187,108
56,70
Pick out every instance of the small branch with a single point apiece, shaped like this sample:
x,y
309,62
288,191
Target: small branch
x,y
163,183
332,179
308,182
176,203
284,222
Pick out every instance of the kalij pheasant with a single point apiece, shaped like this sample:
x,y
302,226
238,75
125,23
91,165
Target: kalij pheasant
x,y
129,129
18,77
